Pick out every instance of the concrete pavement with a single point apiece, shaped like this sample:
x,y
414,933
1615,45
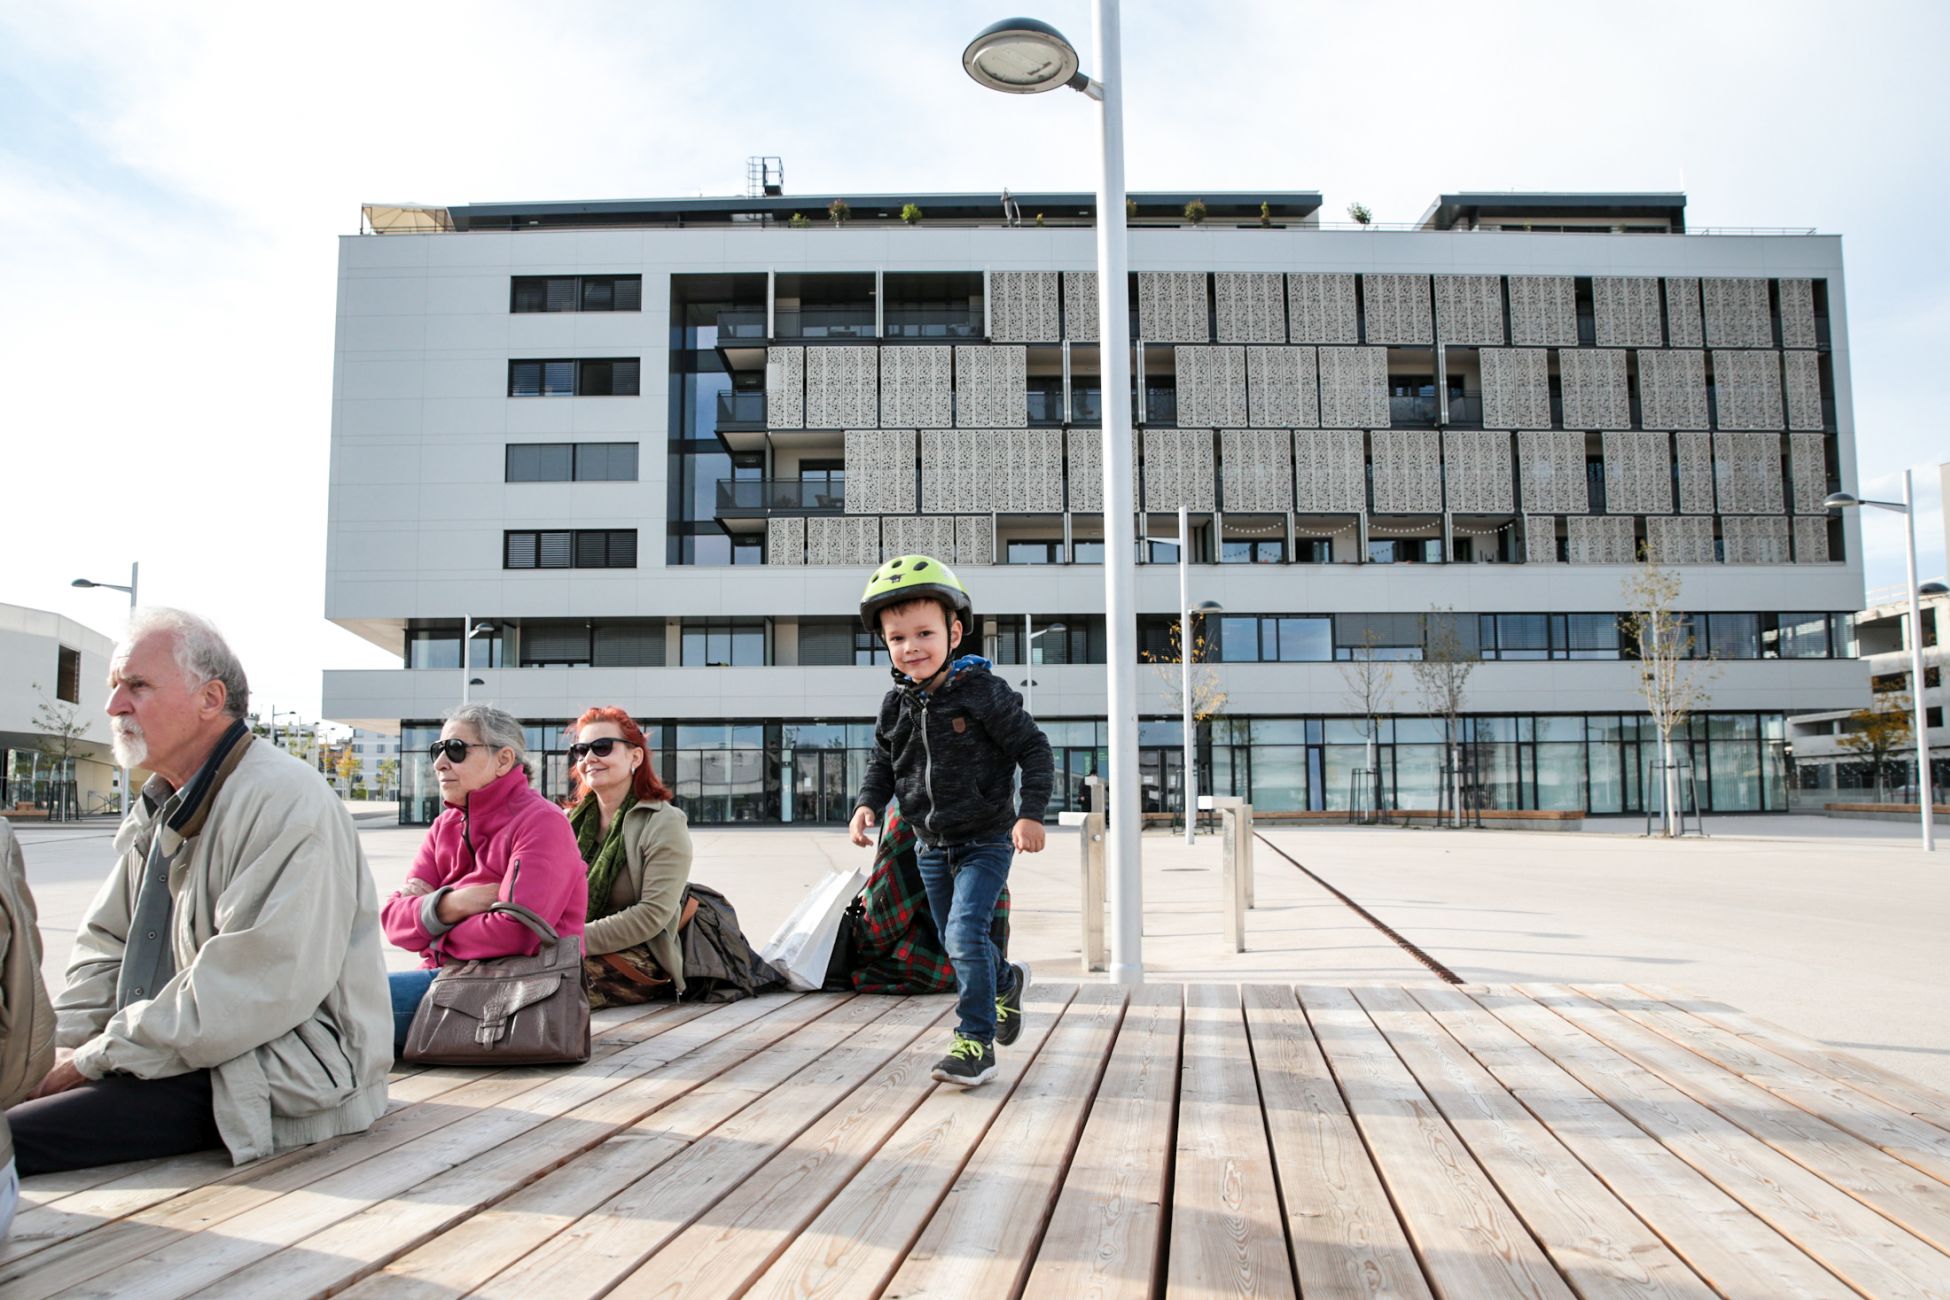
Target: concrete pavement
x,y
1834,929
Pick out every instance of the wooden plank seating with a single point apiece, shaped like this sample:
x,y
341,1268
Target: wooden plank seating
x,y
1201,1140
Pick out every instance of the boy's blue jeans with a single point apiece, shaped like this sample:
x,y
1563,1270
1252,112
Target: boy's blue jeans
x,y
963,883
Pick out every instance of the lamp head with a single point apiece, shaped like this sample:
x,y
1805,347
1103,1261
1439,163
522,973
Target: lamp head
x,y
1933,589
1840,501
83,582
1022,56
1208,607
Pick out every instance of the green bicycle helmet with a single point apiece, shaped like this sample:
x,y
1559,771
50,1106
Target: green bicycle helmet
x,y
908,577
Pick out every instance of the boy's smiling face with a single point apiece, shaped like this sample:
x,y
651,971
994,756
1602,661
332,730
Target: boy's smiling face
x,y
919,637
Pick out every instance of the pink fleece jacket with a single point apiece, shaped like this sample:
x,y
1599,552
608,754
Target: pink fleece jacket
x,y
473,844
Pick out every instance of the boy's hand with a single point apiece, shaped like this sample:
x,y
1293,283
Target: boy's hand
x,y
1028,836
862,823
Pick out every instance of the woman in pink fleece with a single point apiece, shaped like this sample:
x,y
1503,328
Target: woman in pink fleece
x,y
494,818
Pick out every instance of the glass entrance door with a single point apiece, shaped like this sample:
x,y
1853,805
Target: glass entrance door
x,y
819,789
1161,780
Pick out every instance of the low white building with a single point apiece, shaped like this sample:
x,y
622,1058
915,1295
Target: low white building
x,y
50,664
1825,768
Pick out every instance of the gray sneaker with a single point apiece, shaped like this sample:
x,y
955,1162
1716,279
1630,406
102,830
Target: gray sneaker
x,y
1008,1006
968,1063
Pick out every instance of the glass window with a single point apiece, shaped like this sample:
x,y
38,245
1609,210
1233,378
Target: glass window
x,y
1087,552
605,462
1523,636
1802,636
1238,639
534,462
1591,636
1733,636
726,644
1034,552
1306,640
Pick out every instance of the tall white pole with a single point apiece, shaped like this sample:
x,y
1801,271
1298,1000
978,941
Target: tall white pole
x,y
466,627
1922,723
1028,668
1186,784
1126,887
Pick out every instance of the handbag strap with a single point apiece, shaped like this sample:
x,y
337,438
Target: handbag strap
x,y
527,917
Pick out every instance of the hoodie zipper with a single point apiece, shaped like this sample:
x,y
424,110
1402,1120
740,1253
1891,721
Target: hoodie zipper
x,y
927,769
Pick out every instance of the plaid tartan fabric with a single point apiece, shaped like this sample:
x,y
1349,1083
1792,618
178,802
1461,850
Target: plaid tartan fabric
x,y
899,950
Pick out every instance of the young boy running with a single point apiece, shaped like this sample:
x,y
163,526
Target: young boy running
x,y
948,742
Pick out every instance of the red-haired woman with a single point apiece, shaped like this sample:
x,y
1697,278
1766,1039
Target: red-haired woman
x,y
637,847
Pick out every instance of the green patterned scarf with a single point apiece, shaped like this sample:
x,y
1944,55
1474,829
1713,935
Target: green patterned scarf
x,y
603,853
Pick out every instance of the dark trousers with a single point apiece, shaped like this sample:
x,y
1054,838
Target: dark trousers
x,y
115,1118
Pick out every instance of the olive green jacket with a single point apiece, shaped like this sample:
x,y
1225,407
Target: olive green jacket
x,y
26,1018
657,866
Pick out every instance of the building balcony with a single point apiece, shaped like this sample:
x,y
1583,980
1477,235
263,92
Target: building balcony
x,y
932,323
760,498
743,325
814,323
741,409
1414,410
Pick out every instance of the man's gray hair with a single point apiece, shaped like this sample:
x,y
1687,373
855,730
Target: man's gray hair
x,y
200,651
495,727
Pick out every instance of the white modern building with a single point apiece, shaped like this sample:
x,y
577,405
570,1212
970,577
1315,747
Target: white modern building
x,y
52,666
1825,768
656,446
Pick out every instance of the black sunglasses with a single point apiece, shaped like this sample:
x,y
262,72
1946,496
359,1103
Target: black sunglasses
x,y
455,750
600,747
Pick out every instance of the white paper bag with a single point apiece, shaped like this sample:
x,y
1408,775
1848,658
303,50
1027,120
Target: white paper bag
x,y
802,948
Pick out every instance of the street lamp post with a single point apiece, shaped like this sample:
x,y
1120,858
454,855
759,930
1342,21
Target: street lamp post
x,y
1029,661
468,631
1022,56
135,568
1188,776
1907,508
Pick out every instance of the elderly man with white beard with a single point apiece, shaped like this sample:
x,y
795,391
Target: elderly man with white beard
x,y
227,987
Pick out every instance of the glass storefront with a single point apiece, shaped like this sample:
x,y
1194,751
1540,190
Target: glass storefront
x,y
752,773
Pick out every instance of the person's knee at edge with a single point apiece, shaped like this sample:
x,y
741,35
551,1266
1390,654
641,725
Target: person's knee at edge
x,y
950,739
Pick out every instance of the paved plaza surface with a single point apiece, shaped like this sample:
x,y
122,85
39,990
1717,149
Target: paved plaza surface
x,y
1836,929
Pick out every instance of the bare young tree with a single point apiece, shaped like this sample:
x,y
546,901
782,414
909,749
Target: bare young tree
x,y
1442,680
60,736
1370,683
1673,677
1208,697
1874,733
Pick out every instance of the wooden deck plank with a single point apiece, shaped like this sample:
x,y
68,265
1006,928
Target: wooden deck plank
x,y
1345,1236
273,1223
720,1254
590,1256
983,1238
1919,1100
358,1245
1597,1243
853,1247
1920,1206
1920,1145
1851,1240
1720,1238
1105,1235
701,1091
1470,1242
219,1186
1228,1234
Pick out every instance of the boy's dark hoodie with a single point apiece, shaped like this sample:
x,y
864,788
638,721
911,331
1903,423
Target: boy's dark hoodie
x,y
950,756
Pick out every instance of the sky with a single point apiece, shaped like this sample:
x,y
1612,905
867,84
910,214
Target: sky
x,y
174,180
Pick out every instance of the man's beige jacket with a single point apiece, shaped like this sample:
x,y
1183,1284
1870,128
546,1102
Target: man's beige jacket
x,y
280,986
26,1020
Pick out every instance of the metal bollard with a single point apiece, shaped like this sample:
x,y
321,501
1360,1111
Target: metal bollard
x,y
1095,956
1236,867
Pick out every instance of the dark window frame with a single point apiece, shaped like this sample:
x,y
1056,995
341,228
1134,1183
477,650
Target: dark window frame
x,y
577,297
573,544
624,378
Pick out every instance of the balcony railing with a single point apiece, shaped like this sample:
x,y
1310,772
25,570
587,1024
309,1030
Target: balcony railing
x,y
1045,407
1466,409
741,407
790,496
1160,405
741,324
824,323
1414,410
932,323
